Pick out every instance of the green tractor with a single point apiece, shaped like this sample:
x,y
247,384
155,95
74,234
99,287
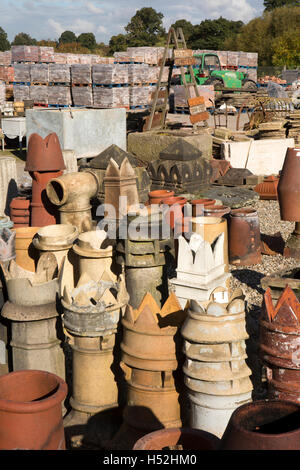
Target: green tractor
x,y
208,71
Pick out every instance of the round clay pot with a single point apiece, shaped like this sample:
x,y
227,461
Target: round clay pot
x,y
244,237
31,411
216,211
176,204
263,425
26,254
158,196
288,187
198,206
186,439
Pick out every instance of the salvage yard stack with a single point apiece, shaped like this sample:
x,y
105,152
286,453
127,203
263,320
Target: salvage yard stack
x,y
110,85
2,92
272,130
294,126
25,54
81,76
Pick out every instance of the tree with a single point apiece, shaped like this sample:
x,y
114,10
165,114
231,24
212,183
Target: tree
x,y
67,37
4,43
272,4
211,34
287,49
186,26
145,27
87,40
73,48
118,43
23,39
262,34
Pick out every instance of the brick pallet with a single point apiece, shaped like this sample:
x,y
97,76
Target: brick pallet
x,y
81,74
60,95
106,74
82,96
115,97
39,73
59,73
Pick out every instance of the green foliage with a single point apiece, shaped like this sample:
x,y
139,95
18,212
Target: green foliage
x,y
4,43
272,4
286,49
73,48
87,40
118,43
23,39
211,34
67,37
145,28
186,26
261,34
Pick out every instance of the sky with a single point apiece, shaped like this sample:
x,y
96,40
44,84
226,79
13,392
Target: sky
x,y
47,19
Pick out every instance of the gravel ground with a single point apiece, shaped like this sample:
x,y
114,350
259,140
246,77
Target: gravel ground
x,y
248,277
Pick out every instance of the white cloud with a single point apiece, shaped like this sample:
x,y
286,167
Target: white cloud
x,y
82,26
102,29
93,8
58,28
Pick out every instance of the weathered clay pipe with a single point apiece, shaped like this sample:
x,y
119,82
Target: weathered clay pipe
x,y
26,254
289,199
91,314
263,425
216,374
44,161
244,237
279,345
200,269
95,253
72,193
56,239
145,258
150,349
210,228
31,411
35,323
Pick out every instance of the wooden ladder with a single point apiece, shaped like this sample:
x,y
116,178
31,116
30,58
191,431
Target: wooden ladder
x,y
183,57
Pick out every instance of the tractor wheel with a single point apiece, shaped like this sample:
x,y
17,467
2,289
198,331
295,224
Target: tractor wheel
x,y
217,83
249,85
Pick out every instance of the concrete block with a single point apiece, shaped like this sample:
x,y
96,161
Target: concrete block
x,y
87,131
148,145
261,157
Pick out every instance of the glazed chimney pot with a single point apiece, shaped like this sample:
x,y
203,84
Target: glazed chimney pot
x,y
263,425
244,237
289,187
31,411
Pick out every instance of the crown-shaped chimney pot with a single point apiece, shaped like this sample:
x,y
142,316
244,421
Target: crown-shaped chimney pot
x,y
44,154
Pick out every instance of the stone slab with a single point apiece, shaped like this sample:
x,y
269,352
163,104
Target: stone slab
x,y
261,157
86,131
148,145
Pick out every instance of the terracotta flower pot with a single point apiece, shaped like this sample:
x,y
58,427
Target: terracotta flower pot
x,y
288,187
158,196
176,204
216,211
31,411
186,439
263,425
198,206
244,237
26,254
